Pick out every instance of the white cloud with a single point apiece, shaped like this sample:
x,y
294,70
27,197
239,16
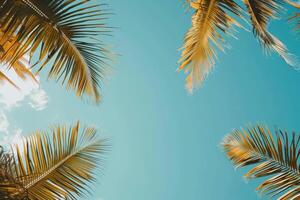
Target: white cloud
x,y
38,99
15,137
8,135
29,93
4,124
11,96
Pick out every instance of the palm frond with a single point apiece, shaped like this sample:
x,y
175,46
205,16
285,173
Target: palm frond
x,y
261,12
63,33
57,166
3,77
292,3
296,16
275,157
210,21
21,66
9,189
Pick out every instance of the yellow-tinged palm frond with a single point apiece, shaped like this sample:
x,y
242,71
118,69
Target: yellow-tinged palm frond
x,y
275,157
63,33
261,12
3,77
292,3
57,166
211,20
21,66
296,16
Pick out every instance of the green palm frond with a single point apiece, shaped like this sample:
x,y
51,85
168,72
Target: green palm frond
x,y
211,19
57,166
275,157
61,33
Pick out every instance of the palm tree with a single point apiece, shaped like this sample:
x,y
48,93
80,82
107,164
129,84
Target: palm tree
x,y
47,167
275,157
60,33
212,20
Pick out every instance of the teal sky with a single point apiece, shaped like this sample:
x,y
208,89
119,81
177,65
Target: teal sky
x,y
165,142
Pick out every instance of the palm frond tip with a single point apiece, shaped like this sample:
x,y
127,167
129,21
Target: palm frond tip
x,y
211,20
275,157
261,12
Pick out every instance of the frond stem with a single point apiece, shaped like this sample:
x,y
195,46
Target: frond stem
x,y
49,171
281,164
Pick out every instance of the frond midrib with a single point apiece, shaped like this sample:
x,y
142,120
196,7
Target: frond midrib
x,y
206,18
53,168
66,38
265,157
35,8
254,16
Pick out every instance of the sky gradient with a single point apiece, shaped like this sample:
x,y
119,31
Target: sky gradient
x,y
165,142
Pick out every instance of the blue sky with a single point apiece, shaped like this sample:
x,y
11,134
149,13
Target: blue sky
x,y
165,142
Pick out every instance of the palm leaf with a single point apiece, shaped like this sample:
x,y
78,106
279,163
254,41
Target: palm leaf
x,y
9,189
210,21
3,77
275,157
61,32
20,66
60,166
296,16
261,12
294,4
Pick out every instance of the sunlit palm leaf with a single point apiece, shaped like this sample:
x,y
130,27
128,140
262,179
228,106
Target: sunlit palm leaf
x,y
296,16
57,166
215,18
20,66
3,77
62,32
293,3
212,18
277,158
261,12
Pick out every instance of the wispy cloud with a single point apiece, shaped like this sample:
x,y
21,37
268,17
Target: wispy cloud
x,y
15,137
29,93
4,124
8,135
29,90
38,99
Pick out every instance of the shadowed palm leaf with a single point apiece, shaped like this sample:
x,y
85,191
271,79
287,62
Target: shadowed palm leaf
x,y
57,166
261,12
211,18
61,32
276,157
6,178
